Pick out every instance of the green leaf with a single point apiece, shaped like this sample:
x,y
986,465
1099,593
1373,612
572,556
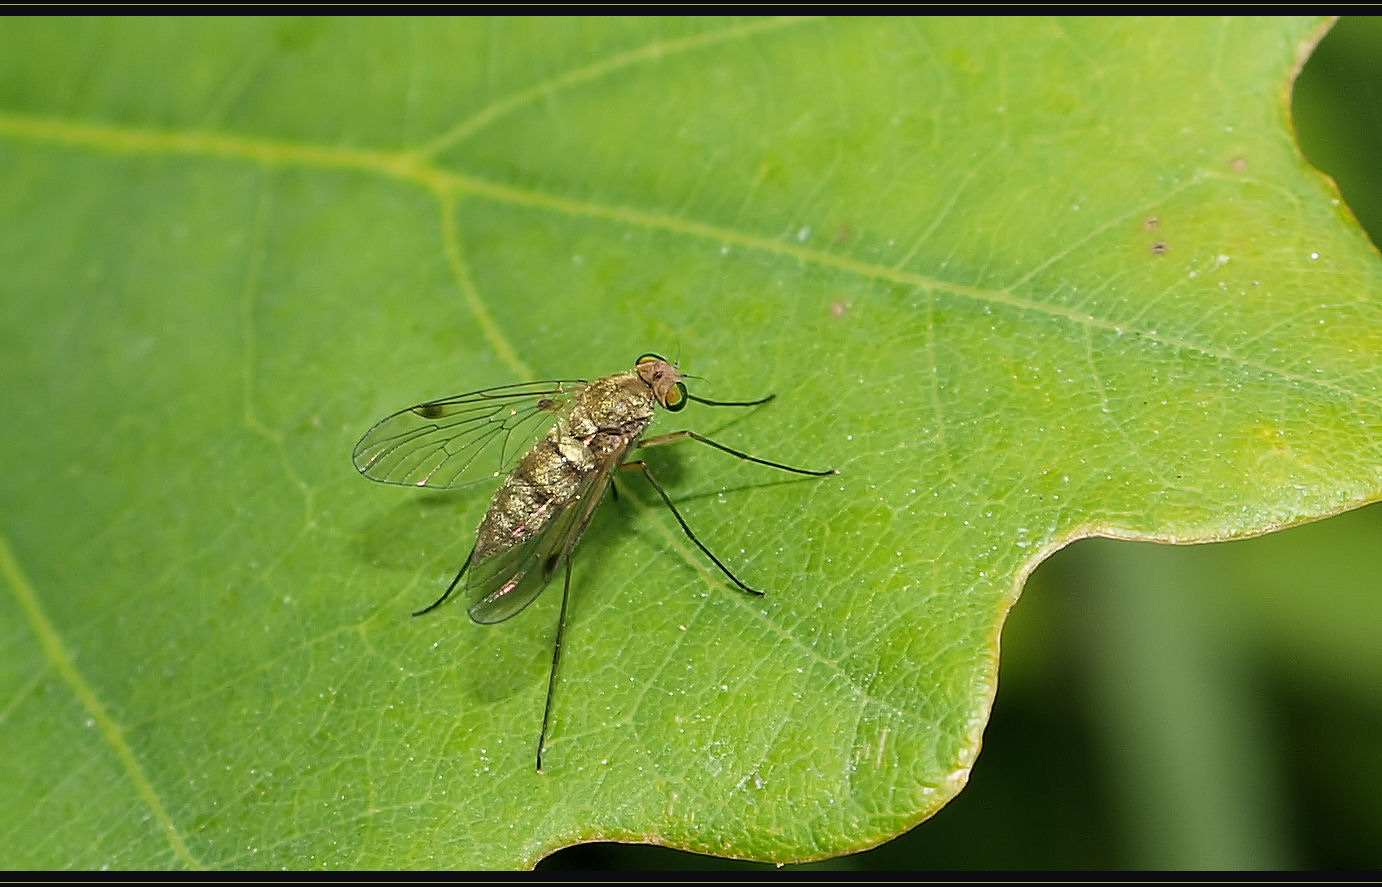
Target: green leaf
x,y
1021,281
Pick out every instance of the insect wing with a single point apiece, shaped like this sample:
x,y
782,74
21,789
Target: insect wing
x,y
463,439
505,582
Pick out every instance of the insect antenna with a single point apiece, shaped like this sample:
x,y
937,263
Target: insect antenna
x,y
450,588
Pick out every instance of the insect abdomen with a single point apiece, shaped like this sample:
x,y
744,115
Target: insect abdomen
x,y
543,481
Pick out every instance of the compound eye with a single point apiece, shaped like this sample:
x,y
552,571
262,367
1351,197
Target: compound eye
x,y
648,358
676,397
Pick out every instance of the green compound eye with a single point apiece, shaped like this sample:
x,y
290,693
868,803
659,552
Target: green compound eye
x,y
648,358
676,397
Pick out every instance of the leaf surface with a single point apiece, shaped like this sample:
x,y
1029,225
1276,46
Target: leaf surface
x,y
1021,281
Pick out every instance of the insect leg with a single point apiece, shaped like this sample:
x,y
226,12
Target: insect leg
x,y
690,535
730,403
556,658
682,435
450,588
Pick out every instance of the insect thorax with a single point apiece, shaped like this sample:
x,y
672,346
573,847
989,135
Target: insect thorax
x,y
615,404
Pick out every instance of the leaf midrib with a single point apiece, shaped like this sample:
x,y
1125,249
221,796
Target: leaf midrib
x,y
445,185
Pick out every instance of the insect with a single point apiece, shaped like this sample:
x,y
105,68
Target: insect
x,y
568,436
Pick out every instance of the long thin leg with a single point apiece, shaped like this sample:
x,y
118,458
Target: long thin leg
x,y
556,658
683,435
450,588
730,403
690,535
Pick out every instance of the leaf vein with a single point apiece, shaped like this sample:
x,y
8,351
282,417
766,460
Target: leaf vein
x,y
56,652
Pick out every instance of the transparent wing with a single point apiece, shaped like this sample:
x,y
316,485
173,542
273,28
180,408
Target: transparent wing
x,y
505,582
463,439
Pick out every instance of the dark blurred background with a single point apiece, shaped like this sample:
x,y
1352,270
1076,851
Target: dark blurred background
x,y
1212,706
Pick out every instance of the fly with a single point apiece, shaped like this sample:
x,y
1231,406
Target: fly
x,y
576,433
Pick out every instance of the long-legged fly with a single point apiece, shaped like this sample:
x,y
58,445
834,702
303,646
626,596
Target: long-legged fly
x,y
583,431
